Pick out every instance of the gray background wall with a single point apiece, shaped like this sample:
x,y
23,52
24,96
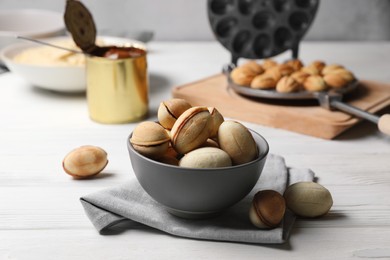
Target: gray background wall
x,y
187,19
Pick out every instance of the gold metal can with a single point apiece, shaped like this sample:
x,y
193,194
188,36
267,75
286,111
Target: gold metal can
x,y
117,89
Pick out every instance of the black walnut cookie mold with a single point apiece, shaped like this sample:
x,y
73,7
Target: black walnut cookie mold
x,y
258,29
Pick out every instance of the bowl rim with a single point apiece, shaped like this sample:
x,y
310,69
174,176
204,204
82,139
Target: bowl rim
x,y
262,156
53,27
24,45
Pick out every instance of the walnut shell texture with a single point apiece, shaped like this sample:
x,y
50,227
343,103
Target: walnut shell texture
x,y
269,63
235,139
263,81
216,120
206,157
191,129
287,84
149,133
335,80
308,199
295,64
254,66
242,76
315,83
170,110
267,209
150,139
85,161
329,68
300,76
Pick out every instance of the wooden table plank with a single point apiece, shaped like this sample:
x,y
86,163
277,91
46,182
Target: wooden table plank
x,y
306,243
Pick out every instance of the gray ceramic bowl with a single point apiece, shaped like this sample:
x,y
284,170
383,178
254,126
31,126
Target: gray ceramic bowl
x,y
198,193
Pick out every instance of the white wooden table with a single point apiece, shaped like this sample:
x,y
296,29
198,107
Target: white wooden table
x,y
41,216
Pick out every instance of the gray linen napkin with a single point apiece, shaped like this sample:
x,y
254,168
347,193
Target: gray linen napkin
x,y
129,201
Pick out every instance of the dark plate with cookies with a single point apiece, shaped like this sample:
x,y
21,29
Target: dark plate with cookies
x,y
271,80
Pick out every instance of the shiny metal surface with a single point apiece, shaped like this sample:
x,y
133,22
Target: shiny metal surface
x,y
117,90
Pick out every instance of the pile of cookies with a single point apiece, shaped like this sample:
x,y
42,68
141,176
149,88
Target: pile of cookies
x,y
291,76
194,137
304,199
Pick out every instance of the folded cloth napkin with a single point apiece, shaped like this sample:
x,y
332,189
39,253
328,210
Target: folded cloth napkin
x,y
129,201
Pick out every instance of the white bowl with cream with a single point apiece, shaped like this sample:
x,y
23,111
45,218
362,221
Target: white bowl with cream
x,y
51,68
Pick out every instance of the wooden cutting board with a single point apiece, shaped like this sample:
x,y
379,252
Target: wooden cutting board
x,y
305,117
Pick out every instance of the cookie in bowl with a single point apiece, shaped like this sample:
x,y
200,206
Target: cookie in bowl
x,y
208,177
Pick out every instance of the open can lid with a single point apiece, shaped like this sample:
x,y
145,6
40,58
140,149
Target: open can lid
x,y
79,22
